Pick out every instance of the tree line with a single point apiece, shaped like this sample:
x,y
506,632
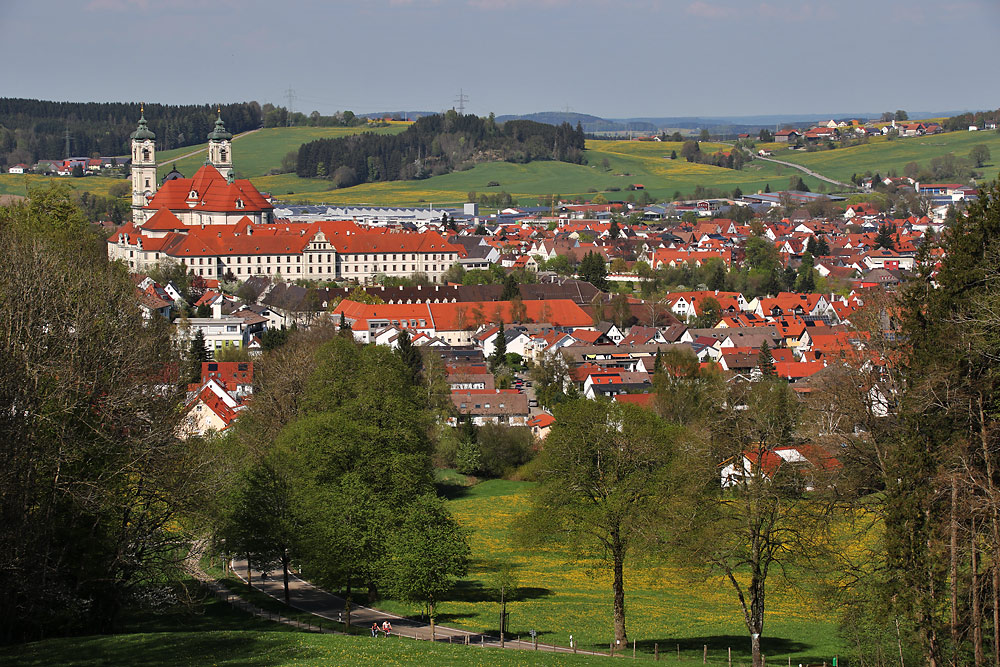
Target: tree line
x,y
436,145
32,130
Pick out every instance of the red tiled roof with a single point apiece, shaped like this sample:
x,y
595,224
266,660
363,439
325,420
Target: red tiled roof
x,y
213,193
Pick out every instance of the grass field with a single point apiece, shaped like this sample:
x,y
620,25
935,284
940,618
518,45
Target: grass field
x,y
17,184
271,649
881,156
257,153
629,162
668,605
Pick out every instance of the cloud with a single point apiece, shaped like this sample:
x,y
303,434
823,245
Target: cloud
x,y
798,14
707,11
116,5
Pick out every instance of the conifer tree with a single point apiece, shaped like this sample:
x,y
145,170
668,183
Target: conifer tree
x,y
411,356
765,362
197,353
499,356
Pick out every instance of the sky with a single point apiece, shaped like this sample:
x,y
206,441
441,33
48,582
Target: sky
x,y
609,58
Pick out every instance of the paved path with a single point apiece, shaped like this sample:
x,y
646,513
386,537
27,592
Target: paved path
x,y
201,149
805,170
306,597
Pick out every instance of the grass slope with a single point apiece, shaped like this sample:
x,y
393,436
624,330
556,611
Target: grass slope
x,y
629,162
564,595
881,156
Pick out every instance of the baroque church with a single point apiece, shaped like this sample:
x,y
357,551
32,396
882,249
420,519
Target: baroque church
x,y
221,227
213,196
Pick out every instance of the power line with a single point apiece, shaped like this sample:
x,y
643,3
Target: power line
x,y
290,94
461,101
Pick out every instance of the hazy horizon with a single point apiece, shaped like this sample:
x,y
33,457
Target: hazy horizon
x,y
622,59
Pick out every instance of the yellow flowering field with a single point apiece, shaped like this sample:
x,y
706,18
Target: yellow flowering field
x,y
669,605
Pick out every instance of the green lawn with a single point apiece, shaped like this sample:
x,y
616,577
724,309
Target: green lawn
x,y
16,184
668,605
881,156
271,649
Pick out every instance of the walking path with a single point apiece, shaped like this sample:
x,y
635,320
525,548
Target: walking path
x,y
306,597
805,170
201,149
218,590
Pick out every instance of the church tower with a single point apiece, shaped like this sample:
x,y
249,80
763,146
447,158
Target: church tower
x,y
143,168
220,153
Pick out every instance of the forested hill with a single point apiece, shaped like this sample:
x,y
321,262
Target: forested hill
x,y
436,145
32,130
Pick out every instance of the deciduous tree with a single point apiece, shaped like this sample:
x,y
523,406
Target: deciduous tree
x,y
599,474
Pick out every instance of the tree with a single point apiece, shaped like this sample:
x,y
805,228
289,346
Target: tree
x,y
504,585
498,359
901,115
511,288
593,270
551,379
710,315
454,274
197,354
426,552
704,136
940,481
765,362
690,150
411,357
599,475
685,393
614,231
561,264
357,450
884,237
806,279
979,154
260,521
758,521
97,493
822,247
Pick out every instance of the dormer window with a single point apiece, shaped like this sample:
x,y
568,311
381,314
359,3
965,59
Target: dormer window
x,y
193,194
239,203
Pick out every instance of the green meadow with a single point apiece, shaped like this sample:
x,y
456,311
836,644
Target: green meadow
x,y
612,166
256,153
882,156
627,163
563,592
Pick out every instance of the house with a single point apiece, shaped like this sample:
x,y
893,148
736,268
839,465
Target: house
x,y
235,376
541,424
18,169
507,407
786,136
211,409
763,465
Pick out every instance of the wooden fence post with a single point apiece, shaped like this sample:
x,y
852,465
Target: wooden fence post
x,y
633,648
730,656
656,652
704,654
